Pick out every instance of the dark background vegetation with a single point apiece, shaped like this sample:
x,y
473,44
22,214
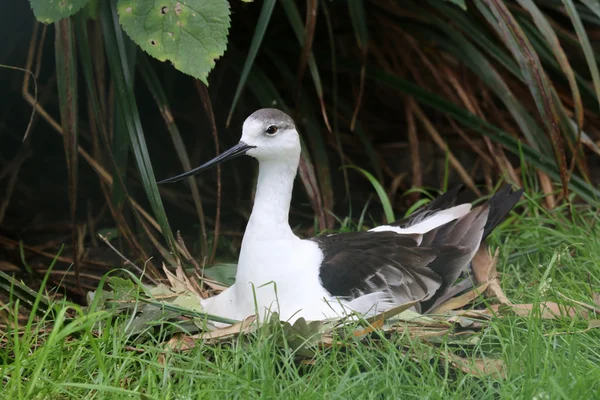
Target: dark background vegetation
x,y
439,95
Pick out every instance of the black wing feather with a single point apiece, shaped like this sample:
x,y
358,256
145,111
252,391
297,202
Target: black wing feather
x,y
410,267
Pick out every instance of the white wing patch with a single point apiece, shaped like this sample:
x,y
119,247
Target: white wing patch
x,y
437,219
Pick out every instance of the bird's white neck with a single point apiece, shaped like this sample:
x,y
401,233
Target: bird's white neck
x,y
270,215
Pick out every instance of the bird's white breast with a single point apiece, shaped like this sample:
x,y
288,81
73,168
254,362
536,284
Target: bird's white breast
x,y
277,276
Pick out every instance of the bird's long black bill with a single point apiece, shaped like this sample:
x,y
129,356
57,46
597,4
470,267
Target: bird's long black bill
x,y
238,150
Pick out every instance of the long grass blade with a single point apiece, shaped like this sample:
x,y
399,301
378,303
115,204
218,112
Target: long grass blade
x,y
358,17
293,15
121,145
259,33
539,160
66,80
335,95
207,103
546,30
456,43
120,73
584,40
118,159
383,197
155,87
535,77
310,24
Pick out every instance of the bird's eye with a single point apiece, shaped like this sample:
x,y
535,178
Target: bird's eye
x,y
271,130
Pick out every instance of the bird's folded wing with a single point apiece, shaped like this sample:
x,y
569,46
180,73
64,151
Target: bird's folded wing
x,y
361,263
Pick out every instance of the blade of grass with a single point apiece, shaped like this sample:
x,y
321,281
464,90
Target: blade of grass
x,y
539,160
99,127
584,41
102,173
160,98
307,42
206,102
358,17
383,197
365,141
66,80
335,95
535,77
546,30
120,73
461,46
121,145
261,27
477,62
573,133
39,304
293,15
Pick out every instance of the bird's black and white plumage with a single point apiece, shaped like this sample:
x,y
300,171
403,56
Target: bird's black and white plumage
x,y
423,263
418,258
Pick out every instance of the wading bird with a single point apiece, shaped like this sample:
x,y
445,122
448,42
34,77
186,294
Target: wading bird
x,y
418,258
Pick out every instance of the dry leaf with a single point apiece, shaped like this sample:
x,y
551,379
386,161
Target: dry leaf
x,y
476,314
419,332
393,311
214,285
460,301
580,303
481,265
596,299
484,270
550,310
593,323
462,321
369,329
414,318
179,342
179,282
8,267
480,367
232,330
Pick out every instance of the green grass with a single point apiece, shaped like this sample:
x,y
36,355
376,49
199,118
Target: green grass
x,y
541,256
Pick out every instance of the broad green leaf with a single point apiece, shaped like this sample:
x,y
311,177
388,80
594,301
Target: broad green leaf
x,y
48,11
121,285
222,273
191,34
189,301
